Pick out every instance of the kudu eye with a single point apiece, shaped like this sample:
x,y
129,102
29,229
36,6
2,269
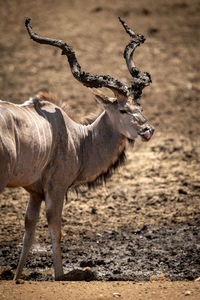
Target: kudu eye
x,y
123,111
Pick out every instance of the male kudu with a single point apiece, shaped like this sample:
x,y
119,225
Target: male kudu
x,y
43,150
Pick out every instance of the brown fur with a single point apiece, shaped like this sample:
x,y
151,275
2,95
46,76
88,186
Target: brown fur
x,y
117,161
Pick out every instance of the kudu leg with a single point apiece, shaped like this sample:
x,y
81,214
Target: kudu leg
x,y
54,205
32,214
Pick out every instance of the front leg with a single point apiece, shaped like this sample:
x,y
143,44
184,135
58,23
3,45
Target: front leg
x,y
31,218
54,204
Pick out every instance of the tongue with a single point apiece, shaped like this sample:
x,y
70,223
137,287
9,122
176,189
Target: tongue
x,y
147,134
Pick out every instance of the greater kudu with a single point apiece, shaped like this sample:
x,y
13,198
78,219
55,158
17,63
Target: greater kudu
x,y
43,150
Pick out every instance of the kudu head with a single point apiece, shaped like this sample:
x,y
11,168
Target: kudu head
x,y
124,109
126,116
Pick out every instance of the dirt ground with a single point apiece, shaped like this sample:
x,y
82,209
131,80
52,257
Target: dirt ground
x,y
144,224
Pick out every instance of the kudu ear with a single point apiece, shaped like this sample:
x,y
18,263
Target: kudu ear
x,y
101,99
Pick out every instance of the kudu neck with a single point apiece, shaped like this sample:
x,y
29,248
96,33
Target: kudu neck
x,y
100,146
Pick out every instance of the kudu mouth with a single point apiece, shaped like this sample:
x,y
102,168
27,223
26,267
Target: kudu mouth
x,y
146,134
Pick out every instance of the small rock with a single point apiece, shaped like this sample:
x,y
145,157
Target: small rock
x,y
188,293
181,191
93,211
159,277
197,279
80,275
87,269
19,281
117,295
189,86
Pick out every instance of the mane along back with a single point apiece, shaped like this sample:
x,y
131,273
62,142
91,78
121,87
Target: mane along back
x,y
55,100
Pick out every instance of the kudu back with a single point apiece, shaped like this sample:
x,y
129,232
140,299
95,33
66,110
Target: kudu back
x,y
43,150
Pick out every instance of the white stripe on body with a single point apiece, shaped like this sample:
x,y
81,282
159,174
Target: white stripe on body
x,y
50,134
27,103
28,121
32,120
17,134
10,154
45,141
38,132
